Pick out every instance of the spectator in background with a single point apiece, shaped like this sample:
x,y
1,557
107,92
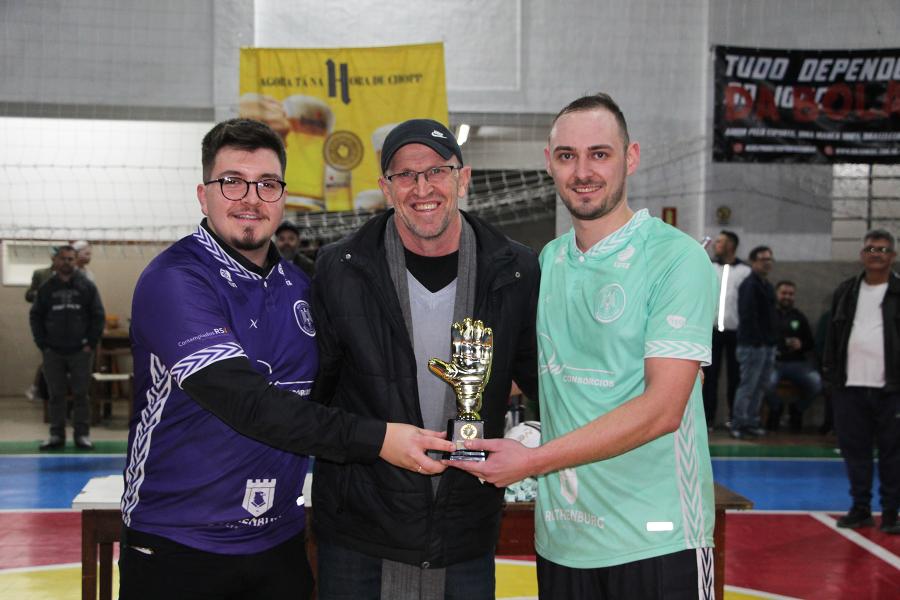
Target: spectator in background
x,y
287,239
862,363
756,337
40,276
38,388
66,322
795,341
732,272
83,258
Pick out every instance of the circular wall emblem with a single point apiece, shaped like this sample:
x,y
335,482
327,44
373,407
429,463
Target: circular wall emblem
x,y
303,316
609,303
343,150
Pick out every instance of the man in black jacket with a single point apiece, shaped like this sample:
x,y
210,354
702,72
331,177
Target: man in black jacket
x,y
66,322
862,363
384,299
795,342
756,344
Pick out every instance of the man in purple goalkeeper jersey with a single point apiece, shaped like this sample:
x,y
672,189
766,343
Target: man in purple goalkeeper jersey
x,y
225,357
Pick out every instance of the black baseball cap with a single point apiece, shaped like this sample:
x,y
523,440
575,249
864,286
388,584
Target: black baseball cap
x,y
287,226
419,131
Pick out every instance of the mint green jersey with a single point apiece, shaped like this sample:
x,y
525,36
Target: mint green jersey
x,y
647,290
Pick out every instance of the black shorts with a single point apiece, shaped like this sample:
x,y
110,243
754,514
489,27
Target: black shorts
x,y
152,567
685,575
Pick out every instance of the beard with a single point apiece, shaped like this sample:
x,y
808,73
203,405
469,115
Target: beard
x,y
592,212
247,241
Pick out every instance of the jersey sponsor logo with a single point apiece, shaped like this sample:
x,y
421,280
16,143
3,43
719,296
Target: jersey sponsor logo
x,y
303,316
609,303
675,321
623,257
568,485
548,363
259,496
204,335
572,515
227,277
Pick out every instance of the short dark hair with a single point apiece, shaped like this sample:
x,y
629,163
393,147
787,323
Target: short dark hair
x,y
598,101
735,240
757,251
64,248
785,282
244,134
879,234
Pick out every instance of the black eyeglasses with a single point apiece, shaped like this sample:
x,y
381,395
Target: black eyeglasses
x,y
434,175
235,188
878,249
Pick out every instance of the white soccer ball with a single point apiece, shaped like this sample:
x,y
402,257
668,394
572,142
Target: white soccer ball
x,y
527,433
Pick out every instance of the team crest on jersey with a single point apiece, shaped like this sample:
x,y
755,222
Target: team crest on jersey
x,y
259,496
303,316
227,277
609,303
568,485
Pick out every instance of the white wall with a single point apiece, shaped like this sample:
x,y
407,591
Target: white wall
x,y
176,61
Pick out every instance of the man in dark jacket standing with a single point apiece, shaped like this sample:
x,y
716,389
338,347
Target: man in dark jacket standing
x,y
756,338
862,363
66,322
384,299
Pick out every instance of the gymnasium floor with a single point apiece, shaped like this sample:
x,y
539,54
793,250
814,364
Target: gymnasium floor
x,y
787,547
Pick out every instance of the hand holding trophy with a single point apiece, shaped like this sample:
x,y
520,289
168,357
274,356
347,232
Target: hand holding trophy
x,y
468,372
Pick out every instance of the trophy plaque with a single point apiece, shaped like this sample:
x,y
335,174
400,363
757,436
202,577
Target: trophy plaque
x,y
472,350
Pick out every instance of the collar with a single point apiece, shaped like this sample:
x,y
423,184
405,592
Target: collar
x,y
233,260
614,241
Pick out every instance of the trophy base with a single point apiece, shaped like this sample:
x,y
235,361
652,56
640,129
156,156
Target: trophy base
x,y
460,430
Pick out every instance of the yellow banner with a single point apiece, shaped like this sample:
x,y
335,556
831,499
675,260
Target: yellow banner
x,y
334,108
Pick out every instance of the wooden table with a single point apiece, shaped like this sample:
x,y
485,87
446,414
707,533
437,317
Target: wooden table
x,y
101,527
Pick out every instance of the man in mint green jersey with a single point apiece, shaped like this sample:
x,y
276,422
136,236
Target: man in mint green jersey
x,y
625,498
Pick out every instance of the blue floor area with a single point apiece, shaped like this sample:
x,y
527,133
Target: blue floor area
x,y
772,484
786,484
50,481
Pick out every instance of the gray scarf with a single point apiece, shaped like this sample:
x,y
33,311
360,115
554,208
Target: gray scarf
x,y
400,581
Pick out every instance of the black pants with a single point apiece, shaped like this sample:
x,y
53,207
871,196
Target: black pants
x,y
723,342
152,567
64,371
685,575
863,418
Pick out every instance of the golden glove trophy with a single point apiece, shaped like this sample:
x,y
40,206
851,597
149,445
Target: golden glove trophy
x,y
468,372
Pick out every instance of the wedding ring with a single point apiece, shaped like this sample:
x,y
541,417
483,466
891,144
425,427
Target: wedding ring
x,y
419,468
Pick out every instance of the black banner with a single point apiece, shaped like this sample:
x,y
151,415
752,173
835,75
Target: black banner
x,y
811,106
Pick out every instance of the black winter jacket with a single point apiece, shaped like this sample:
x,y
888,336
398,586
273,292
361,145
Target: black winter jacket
x,y
67,315
756,310
367,366
843,311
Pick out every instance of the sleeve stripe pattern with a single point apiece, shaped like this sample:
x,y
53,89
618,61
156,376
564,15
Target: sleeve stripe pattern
x,y
673,349
189,365
140,450
687,466
220,255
